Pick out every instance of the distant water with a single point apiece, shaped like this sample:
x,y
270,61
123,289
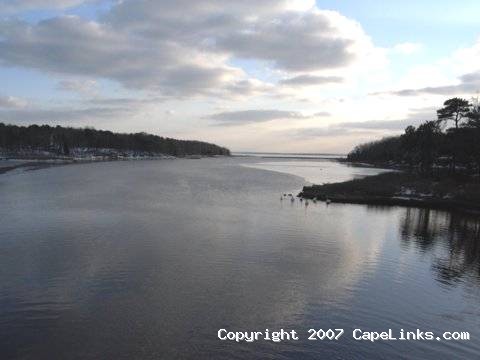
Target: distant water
x,y
316,171
149,259
289,155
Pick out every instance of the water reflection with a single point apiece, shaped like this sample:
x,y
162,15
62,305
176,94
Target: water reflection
x,y
457,236
316,171
150,259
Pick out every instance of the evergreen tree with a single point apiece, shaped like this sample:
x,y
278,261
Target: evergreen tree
x,y
455,110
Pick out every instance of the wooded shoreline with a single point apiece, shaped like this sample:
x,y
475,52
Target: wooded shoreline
x,y
439,165
43,141
402,189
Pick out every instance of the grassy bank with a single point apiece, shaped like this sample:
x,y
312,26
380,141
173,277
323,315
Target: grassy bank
x,y
404,189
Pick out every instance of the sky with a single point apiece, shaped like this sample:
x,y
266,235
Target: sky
x,y
298,76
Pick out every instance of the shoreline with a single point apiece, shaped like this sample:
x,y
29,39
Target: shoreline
x,y
36,163
401,189
29,166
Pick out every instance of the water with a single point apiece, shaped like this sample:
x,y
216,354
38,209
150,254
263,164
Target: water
x,y
270,155
319,171
149,259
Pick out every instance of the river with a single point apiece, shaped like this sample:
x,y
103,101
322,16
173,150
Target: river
x,y
150,259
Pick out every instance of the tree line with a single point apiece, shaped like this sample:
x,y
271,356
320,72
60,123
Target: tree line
x,y
450,142
63,140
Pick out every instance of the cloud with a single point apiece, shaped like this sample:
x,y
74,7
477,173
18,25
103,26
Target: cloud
x,y
415,118
371,127
379,124
468,84
320,114
254,116
158,46
91,49
10,102
65,116
457,74
85,87
472,78
311,80
258,116
315,132
293,42
13,6
251,87
124,101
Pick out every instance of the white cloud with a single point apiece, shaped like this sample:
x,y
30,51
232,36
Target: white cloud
x,y
464,60
300,5
158,46
453,75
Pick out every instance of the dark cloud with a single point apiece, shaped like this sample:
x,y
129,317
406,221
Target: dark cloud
x,y
372,127
126,102
306,133
380,124
311,80
377,124
254,116
469,84
257,116
415,118
293,42
94,50
250,87
12,6
61,115
471,78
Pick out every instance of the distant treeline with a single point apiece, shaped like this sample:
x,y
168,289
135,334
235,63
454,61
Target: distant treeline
x,y
61,140
433,144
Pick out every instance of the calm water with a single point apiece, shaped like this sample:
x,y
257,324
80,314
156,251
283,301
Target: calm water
x,y
316,172
149,259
